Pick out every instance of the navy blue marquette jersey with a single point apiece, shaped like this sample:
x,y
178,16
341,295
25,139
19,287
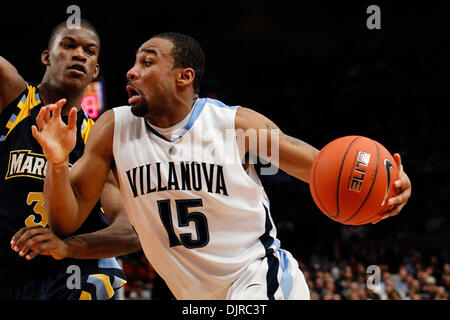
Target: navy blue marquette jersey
x,y
22,172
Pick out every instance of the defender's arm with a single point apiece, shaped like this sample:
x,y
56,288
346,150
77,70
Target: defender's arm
x,y
11,83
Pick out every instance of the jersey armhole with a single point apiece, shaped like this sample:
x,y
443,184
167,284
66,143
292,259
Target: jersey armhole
x,y
236,150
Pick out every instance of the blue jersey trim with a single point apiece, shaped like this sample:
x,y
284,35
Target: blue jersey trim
x,y
286,282
220,103
198,107
13,118
108,263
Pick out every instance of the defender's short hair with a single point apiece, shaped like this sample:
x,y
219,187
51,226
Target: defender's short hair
x,y
63,25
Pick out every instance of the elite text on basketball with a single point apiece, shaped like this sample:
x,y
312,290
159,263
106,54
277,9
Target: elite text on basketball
x,y
359,171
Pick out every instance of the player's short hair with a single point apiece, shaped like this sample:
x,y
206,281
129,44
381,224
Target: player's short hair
x,y
63,25
187,53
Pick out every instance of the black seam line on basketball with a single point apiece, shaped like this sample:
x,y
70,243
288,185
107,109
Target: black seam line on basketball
x,y
370,218
339,176
371,186
315,185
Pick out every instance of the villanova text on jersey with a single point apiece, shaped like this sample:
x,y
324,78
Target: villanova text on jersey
x,y
181,176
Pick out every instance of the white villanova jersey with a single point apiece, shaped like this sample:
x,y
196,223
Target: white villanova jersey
x,y
201,219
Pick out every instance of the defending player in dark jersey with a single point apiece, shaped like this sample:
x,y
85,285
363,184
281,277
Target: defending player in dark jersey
x,y
32,265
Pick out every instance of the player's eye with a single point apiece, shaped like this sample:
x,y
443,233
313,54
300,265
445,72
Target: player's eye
x,y
67,46
147,63
90,51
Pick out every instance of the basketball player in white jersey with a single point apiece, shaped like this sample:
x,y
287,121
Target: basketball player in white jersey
x,y
203,218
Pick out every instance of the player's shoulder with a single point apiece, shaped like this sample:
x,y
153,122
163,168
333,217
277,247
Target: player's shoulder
x,y
214,112
26,104
26,100
124,108
119,112
247,118
244,117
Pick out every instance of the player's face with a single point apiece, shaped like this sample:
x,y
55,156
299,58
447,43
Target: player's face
x,y
73,58
151,81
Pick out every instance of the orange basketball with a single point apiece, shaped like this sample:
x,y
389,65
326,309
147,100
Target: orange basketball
x,y
351,179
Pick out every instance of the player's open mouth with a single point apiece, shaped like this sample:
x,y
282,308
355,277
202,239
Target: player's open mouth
x,y
132,91
135,96
77,67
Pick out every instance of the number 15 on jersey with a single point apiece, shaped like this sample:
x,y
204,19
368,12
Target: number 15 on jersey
x,y
188,240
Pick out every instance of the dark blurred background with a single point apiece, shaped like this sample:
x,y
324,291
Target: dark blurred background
x,y
319,73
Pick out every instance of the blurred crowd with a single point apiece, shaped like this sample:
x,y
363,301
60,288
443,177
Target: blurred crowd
x,y
143,283
352,281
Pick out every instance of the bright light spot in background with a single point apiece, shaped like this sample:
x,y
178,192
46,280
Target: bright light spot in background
x,y
92,102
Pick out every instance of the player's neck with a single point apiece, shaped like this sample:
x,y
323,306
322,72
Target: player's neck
x,y
171,113
51,94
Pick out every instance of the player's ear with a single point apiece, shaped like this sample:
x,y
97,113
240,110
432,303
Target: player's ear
x,y
45,57
185,77
97,70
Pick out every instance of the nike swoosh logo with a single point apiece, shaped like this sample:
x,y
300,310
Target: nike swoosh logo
x,y
388,165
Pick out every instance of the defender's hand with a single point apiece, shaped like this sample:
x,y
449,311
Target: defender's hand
x,y
403,186
55,137
40,240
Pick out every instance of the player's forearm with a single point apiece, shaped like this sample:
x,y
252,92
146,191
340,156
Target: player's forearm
x,y
60,200
296,157
291,155
116,240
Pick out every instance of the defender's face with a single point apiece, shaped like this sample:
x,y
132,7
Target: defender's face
x,y
73,58
152,78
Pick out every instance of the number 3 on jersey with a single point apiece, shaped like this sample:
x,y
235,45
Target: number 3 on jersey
x,y
184,217
39,210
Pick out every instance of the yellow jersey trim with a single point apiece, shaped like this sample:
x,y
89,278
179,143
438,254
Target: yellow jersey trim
x,y
25,105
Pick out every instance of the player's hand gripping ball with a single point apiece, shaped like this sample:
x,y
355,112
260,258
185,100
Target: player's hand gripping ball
x,y
352,178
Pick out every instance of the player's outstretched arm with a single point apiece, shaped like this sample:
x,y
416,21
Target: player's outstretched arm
x,y
11,83
70,197
295,157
